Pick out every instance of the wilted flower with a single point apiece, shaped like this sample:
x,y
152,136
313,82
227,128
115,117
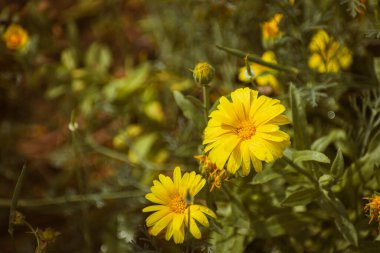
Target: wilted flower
x,y
174,207
213,173
264,76
373,207
246,130
327,55
15,37
270,30
203,73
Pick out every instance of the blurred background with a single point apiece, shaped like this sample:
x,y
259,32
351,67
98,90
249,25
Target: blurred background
x,y
87,106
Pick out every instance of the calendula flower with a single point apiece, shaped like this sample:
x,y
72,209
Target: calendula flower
x,y
15,37
174,209
262,75
327,55
245,130
373,207
270,30
213,173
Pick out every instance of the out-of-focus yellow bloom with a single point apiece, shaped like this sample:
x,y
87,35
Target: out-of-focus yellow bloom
x,y
120,140
373,207
263,75
270,30
213,173
327,55
15,37
291,2
174,209
245,131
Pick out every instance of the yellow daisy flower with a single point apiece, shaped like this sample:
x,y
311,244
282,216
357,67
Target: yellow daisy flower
x,y
270,30
246,130
373,207
327,55
173,211
15,37
263,75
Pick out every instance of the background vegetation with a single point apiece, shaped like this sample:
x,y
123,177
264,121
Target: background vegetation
x,y
101,100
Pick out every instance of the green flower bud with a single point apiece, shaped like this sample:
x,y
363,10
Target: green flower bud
x,y
203,73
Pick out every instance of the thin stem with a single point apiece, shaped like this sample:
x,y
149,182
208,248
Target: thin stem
x,y
300,170
206,101
72,199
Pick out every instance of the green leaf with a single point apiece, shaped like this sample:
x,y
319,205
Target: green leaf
x,y
336,209
265,176
300,197
98,58
257,59
188,108
337,167
281,224
69,59
301,137
323,142
309,155
119,89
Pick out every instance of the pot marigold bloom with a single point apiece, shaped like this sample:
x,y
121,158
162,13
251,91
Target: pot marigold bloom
x,y
270,30
246,130
373,207
264,76
173,211
327,55
15,37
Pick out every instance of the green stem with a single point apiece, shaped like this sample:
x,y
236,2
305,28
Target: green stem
x,y
300,170
258,60
72,199
206,101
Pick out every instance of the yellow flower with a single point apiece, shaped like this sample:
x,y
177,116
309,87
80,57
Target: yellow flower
x,y
373,207
263,75
270,30
246,130
291,2
173,211
327,55
15,37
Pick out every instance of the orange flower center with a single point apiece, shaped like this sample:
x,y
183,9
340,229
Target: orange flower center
x,y
177,204
246,130
14,39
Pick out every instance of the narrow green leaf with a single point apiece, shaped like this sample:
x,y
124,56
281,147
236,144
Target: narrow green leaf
x,y
265,176
15,198
301,138
337,168
258,60
309,155
188,108
302,196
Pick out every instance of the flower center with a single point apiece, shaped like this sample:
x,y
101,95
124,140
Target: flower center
x,y
246,130
177,204
15,39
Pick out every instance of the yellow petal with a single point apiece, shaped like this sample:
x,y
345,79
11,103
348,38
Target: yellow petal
x,y
244,150
220,153
177,177
153,208
200,217
194,230
178,221
234,161
153,198
267,128
279,120
179,235
154,217
161,224
206,210
169,231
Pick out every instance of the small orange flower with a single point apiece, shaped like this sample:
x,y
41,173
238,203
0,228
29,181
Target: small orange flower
x,y
212,172
373,207
15,37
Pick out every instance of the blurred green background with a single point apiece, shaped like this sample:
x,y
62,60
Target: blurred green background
x,y
88,107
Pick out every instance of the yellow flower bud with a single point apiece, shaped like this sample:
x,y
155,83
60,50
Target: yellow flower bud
x,y
203,73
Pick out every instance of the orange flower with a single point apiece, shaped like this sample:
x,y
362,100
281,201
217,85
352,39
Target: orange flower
x,y
373,207
15,37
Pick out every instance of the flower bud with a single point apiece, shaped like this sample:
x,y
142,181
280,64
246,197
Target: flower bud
x,y
203,73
